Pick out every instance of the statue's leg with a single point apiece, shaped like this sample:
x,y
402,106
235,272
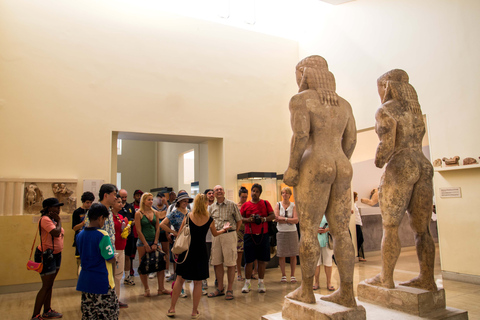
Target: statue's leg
x,y
420,212
311,203
394,194
338,217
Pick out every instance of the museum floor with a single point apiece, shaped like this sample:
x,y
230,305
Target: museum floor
x,y
245,306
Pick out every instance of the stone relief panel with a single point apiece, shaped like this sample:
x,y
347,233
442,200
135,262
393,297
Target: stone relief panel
x,y
25,196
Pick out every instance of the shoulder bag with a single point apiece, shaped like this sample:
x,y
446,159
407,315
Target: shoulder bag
x,y
32,265
272,229
152,262
38,266
182,243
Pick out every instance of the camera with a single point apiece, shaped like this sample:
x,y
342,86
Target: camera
x,y
48,254
257,219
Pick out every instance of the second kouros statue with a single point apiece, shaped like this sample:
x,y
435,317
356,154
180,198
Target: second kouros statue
x,y
406,184
324,137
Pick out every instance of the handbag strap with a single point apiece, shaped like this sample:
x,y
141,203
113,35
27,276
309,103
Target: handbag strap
x,y
186,254
35,240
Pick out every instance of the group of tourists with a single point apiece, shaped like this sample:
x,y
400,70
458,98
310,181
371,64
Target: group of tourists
x,y
109,233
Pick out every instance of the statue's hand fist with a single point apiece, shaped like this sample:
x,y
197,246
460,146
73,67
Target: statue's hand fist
x,y
290,177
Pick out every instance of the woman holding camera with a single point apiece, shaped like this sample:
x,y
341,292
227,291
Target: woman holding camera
x,y
50,253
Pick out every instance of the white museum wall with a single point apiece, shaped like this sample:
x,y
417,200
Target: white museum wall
x,y
168,166
436,42
74,72
138,166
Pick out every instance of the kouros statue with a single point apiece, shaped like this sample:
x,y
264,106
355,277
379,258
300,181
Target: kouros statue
x,y
324,137
406,184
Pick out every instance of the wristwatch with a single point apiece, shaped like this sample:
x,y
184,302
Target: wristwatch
x,y
264,219
286,219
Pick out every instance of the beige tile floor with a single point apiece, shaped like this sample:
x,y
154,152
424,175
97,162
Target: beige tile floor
x,y
245,306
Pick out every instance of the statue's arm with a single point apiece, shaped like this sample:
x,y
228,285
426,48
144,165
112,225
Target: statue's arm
x,y
300,122
349,139
385,127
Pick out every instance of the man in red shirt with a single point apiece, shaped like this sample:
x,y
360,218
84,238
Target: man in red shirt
x,y
256,214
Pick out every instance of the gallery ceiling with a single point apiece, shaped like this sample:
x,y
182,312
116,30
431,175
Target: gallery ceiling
x,y
336,1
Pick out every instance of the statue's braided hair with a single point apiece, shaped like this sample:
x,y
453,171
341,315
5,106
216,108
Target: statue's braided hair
x,y
315,75
397,88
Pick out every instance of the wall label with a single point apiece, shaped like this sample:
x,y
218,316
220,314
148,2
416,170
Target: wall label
x,y
451,192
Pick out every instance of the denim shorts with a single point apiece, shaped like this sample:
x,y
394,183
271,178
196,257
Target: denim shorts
x,y
140,243
50,266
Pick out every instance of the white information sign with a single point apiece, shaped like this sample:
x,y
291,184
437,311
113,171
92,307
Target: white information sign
x,y
451,192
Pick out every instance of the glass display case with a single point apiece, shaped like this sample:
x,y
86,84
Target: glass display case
x,y
164,190
268,181
194,189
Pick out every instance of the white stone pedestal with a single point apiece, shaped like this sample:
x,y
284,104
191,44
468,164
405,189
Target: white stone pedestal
x,y
322,310
410,300
375,312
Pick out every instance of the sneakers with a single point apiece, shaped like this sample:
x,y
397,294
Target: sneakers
x,y
51,314
129,281
246,287
171,278
261,287
204,284
167,273
183,294
37,317
152,275
204,292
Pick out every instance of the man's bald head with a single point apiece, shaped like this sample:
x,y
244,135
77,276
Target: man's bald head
x,y
123,194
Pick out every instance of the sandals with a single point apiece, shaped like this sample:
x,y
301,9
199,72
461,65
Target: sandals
x,y
147,293
293,279
240,278
229,295
170,314
284,279
316,287
255,276
164,291
216,293
331,288
196,316
362,260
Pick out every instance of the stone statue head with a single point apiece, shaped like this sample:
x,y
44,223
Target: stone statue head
x,y
312,73
394,85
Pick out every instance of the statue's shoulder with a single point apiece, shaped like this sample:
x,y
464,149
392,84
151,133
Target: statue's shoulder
x,y
299,100
344,103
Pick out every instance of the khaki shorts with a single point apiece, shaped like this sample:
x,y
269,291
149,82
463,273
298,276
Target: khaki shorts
x,y
224,249
325,257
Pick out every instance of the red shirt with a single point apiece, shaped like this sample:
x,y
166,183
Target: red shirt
x,y
120,243
262,208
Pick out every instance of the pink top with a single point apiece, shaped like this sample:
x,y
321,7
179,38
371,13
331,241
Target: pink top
x,y
48,225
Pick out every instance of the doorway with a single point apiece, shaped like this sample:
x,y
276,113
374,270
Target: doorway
x,y
148,161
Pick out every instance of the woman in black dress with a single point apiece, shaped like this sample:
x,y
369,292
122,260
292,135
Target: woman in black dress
x,y
195,266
